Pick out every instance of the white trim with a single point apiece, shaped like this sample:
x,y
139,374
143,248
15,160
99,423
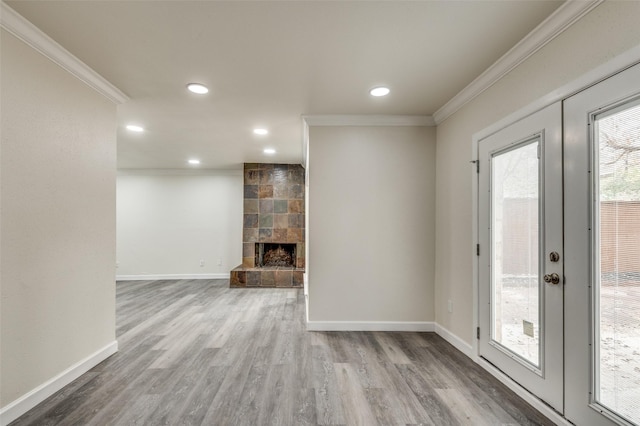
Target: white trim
x,y
532,400
596,75
305,143
475,263
369,120
220,276
24,30
305,281
34,397
456,341
559,21
306,306
370,326
180,172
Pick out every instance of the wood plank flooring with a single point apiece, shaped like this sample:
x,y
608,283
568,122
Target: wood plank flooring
x,y
195,352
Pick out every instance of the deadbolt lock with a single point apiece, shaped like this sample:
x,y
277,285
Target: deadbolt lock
x,y
552,278
554,256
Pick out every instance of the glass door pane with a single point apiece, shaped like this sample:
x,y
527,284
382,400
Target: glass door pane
x,y
515,290
520,316
617,310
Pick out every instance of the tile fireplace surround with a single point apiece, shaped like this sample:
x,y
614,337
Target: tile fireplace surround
x,y
273,213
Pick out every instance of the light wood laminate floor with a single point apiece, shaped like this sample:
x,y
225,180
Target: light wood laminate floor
x,y
195,352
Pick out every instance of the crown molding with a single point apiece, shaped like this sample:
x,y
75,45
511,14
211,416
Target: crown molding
x,y
16,24
565,16
369,120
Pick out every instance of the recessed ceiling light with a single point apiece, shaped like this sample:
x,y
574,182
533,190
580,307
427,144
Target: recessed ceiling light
x,y
269,151
198,88
260,131
194,161
379,91
135,128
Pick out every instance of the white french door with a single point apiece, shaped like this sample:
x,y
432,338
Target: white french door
x,y
602,245
559,253
520,263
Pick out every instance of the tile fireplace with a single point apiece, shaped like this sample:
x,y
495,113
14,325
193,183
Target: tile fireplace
x,y
273,227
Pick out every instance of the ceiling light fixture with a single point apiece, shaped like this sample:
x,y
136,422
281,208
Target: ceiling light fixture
x,y
135,128
194,162
198,88
379,91
269,151
261,132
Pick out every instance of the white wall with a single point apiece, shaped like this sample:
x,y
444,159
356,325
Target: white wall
x,y
609,30
58,176
371,224
168,221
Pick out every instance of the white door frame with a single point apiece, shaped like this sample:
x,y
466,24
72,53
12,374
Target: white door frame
x,y
602,72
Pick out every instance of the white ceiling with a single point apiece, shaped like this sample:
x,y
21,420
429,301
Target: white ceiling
x,y
267,63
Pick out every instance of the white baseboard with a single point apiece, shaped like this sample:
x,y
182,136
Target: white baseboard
x,y
34,397
370,326
456,341
220,276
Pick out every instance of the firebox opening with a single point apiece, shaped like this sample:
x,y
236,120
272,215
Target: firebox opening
x,y
275,254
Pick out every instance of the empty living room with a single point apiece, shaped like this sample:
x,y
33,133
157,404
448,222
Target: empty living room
x,y
320,212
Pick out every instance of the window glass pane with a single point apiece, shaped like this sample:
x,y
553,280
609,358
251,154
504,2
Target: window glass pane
x,y
618,264
514,268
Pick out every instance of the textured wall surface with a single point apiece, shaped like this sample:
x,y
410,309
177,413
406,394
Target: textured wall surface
x,y
178,222
58,175
371,223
